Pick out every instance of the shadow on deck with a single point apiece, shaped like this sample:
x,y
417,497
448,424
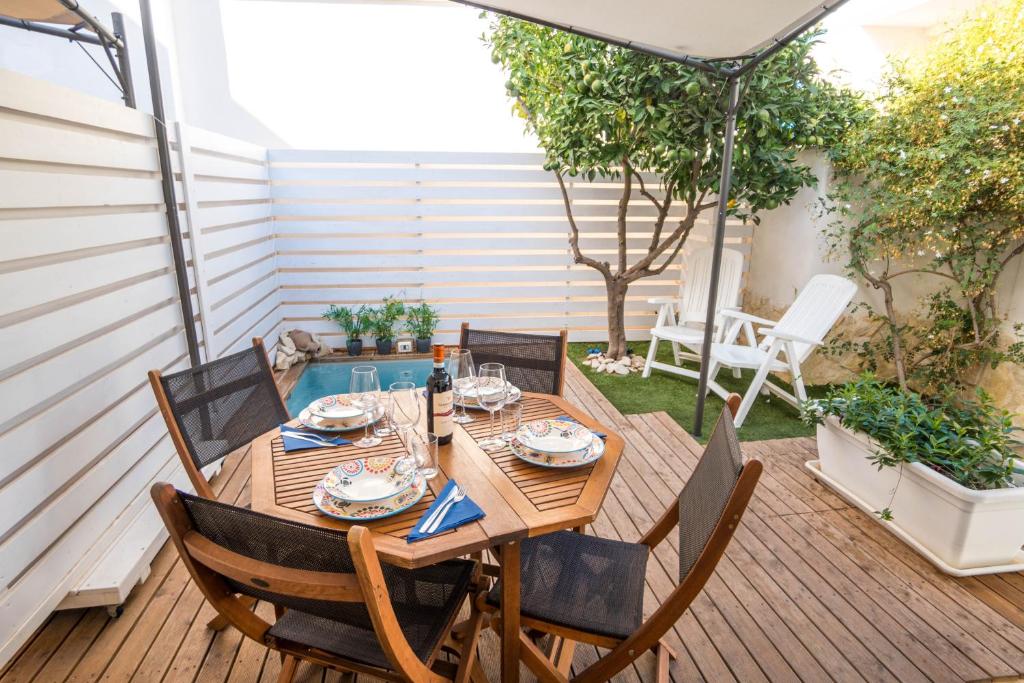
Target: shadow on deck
x,y
811,589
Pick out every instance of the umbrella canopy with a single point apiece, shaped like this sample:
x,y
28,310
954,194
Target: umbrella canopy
x,y
677,29
46,11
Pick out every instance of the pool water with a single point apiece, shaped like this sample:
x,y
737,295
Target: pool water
x,y
324,379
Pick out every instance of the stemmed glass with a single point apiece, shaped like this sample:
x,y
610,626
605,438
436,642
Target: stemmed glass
x,y
404,412
460,367
491,393
365,392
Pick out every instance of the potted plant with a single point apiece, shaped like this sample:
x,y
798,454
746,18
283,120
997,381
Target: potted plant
x,y
382,320
421,321
353,321
941,469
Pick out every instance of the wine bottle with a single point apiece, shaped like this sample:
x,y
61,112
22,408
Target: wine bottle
x,y
440,399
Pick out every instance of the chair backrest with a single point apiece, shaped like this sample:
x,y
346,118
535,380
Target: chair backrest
x,y
693,292
218,407
323,573
816,309
533,362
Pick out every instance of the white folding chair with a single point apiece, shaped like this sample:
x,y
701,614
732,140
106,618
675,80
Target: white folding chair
x,y
686,325
784,345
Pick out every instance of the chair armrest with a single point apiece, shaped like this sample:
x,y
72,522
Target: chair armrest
x,y
778,334
663,300
740,315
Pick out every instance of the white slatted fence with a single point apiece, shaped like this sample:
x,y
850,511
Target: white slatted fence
x,y
482,236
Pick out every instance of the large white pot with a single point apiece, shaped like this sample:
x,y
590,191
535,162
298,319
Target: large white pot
x,y
962,527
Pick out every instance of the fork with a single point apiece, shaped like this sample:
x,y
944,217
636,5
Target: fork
x,y
443,511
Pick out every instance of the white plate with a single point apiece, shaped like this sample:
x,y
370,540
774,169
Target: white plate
x,y
337,407
307,419
366,480
354,512
588,457
556,437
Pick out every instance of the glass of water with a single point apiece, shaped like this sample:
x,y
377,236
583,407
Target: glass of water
x,y
511,418
424,453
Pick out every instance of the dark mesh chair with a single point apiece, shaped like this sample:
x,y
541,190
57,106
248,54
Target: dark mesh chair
x,y
533,362
591,590
336,604
218,407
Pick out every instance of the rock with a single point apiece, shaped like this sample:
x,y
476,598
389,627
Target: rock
x,y
593,355
621,370
638,361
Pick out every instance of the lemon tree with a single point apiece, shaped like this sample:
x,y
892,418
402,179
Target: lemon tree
x,y
600,111
931,186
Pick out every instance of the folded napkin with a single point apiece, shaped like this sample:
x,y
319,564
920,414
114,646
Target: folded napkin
x,y
567,418
301,439
458,514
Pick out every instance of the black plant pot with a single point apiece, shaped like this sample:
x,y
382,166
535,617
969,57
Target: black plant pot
x,y
384,346
423,345
354,346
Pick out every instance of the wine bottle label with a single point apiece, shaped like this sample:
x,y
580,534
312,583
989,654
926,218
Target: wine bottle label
x,y
444,405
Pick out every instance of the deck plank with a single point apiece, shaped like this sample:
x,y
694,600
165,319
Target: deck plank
x,y
811,589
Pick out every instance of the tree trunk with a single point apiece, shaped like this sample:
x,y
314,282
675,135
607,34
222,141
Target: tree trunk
x,y
616,317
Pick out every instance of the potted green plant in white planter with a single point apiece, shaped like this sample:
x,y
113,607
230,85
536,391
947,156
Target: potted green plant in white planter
x,y
382,320
353,322
421,322
940,469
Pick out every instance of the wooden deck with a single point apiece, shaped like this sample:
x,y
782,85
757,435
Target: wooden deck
x,y
811,589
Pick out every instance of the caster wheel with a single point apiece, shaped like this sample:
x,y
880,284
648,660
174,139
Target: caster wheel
x,y
114,611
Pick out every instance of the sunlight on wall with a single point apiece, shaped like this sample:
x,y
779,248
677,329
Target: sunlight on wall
x,y
353,76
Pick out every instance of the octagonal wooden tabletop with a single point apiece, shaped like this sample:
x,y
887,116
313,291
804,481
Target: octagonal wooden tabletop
x,y
520,499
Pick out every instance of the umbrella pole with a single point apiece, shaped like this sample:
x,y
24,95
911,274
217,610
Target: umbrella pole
x,y
724,186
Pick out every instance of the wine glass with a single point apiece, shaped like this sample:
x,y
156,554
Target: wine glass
x,y
404,411
491,393
460,367
365,391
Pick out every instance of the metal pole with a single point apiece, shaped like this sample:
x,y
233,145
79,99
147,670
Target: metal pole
x,y
36,27
724,185
167,177
124,64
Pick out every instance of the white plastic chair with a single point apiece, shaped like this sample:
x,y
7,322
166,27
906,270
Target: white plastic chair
x,y
785,344
686,326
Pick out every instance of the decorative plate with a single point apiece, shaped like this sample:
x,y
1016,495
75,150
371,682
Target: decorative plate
x,y
561,438
514,394
355,512
366,480
337,407
308,419
589,456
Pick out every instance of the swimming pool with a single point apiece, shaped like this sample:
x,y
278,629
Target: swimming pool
x,y
324,379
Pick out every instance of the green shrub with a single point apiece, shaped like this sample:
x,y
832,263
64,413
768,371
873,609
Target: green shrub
x,y
353,320
382,319
971,442
421,321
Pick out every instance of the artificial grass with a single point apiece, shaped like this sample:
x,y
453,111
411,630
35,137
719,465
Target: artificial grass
x,y
677,396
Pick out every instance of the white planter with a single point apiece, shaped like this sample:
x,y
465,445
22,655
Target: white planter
x,y
962,527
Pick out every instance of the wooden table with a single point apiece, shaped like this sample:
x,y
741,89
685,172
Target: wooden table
x,y
520,499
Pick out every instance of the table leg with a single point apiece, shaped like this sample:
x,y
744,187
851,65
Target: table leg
x,y
510,612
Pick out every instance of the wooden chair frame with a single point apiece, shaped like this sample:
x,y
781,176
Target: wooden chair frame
x,y
563,336
209,564
553,666
195,475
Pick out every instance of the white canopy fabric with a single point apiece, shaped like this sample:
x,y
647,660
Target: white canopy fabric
x,y
46,11
702,29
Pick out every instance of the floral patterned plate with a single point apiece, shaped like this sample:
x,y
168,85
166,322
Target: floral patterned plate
x,y
355,512
321,424
560,438
337,407
367,480
589,456
514,394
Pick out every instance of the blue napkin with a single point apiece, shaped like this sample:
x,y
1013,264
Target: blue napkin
x,y
458,514
600,435
291,444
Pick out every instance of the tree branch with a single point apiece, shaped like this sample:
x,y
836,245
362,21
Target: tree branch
x,y
627,191
645,193
574,234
